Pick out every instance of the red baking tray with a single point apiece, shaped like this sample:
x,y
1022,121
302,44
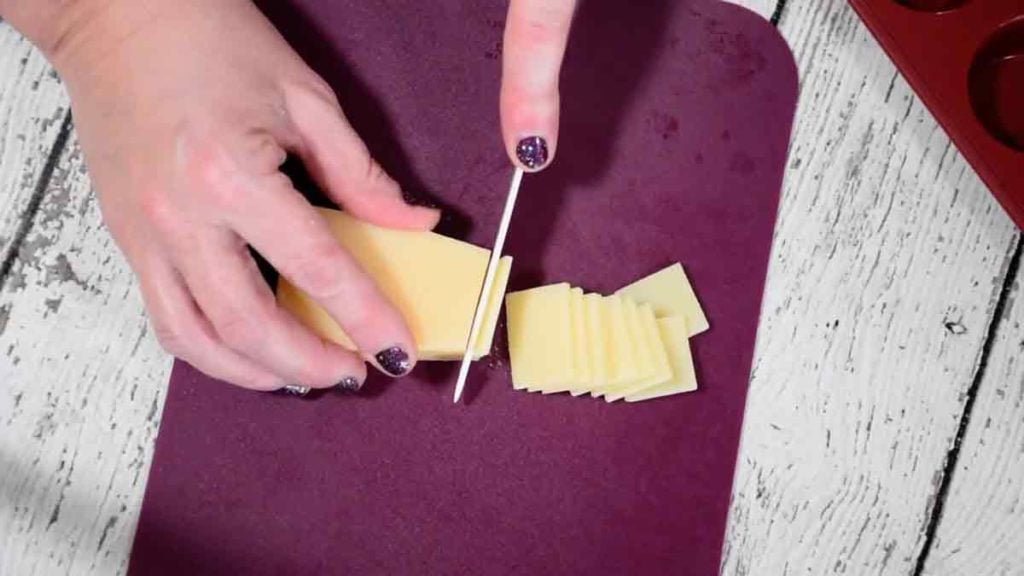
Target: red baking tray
x,y
965,59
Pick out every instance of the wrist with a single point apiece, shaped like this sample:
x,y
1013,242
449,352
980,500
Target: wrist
x,y
47,24
75,33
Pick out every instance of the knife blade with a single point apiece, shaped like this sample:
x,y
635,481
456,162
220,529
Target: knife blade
x,y
485,290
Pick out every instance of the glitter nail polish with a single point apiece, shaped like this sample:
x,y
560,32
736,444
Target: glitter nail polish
x,y
350,384
394,361
295,390
532,152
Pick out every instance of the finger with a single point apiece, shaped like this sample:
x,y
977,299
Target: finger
x,y
340,163
310,257
184,332
536,33
230,291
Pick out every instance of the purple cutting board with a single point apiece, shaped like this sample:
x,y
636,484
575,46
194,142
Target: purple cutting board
x,y
676,120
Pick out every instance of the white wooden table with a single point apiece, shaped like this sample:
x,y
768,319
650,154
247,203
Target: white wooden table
x,y
885,427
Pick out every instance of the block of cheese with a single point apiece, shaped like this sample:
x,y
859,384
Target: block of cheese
x,y
669,292
675,335
661,370
433,280
540,337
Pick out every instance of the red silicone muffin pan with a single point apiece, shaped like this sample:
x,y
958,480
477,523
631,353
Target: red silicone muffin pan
x,y
965,59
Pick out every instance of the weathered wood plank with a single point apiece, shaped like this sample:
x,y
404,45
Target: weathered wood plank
x,y
33,107
82,391
763,7
981,530
888,259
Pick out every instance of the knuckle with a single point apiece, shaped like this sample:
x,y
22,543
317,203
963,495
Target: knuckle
x,y
314,90
238,329
213,174
170,336
158,209
320,89
549,22
316,271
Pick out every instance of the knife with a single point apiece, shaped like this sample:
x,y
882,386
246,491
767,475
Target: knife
x,y
485,290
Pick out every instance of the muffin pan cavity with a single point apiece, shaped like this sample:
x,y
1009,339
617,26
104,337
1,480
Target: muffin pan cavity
x,y
965,60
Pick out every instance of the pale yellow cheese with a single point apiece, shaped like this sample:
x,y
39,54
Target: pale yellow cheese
x,y
661,369
433,280
485,337
622,360
669,292
580,342
580,356
596,343
540,337
642,354
675,337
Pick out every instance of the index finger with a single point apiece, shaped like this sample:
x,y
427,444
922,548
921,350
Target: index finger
x,y
536,34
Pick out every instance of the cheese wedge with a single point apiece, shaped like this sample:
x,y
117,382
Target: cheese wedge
x,y
661,368
669,292
540,337
675,337
433,280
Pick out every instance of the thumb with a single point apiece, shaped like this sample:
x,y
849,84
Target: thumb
x,y
341,165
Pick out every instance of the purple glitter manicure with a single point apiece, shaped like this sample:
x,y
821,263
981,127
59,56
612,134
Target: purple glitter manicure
x,y
532,152
350,384
292,390
394,361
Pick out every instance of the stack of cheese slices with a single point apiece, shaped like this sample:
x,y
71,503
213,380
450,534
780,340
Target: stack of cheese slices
x,y
632,345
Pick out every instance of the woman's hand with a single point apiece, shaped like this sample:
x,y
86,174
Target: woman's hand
x,y
536,32
185,110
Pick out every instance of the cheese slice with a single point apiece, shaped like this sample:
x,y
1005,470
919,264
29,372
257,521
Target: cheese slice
x,y
540,337
675,337
669,292
489,325
580,356
581,350
661,370
642,353
433,280
596,343
622,365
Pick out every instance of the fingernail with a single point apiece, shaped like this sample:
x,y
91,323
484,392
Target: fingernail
x,y
532,152
295,390
350,384
417,200
394,361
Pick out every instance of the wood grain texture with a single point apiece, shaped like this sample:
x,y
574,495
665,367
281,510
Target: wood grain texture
x,y
982,525
82,391
763,7
888,259
33,107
